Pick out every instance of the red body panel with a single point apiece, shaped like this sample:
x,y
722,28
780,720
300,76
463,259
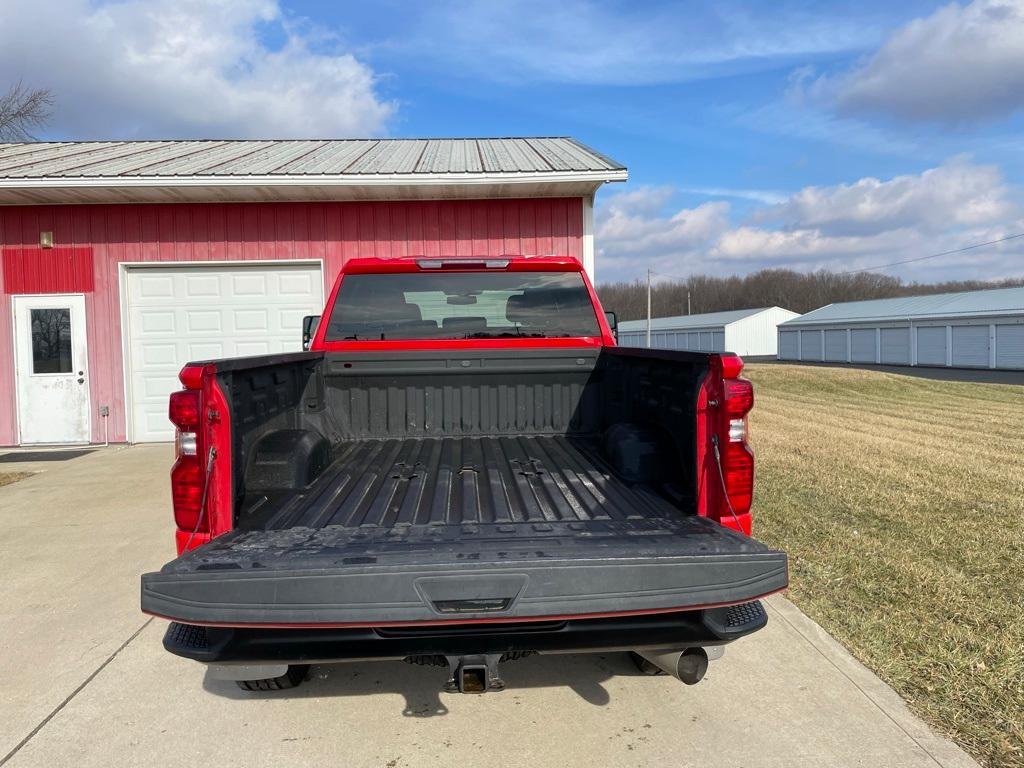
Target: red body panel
x,y
333,233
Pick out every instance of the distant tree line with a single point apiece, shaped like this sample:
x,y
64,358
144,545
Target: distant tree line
x,y
797,291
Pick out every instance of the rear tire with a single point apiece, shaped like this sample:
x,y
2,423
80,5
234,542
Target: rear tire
x,y
645,666
291,679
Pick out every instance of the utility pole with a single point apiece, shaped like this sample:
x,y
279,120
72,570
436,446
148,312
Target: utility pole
x,y
688,302
648,309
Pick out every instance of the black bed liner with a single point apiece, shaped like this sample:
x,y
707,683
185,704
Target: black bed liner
x,y
450,481
459,529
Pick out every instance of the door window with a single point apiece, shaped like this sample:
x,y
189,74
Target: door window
x,y
51,340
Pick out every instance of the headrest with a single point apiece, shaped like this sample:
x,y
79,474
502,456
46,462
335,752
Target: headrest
x,y
464,324
404,311
528,308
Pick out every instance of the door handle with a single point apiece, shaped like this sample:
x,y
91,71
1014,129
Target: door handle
x,y
81,381
81,377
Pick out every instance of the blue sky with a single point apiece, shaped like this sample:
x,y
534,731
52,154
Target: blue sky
x,y
787,134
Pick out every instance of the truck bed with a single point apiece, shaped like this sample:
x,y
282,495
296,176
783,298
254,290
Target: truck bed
x,y
438,529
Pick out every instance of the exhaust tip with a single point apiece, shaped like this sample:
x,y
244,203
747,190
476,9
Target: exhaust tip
x,y
688,665
692,665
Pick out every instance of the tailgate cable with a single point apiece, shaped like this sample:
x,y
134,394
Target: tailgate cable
x,y
725,491
202,502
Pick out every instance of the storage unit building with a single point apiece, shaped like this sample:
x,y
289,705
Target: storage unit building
x,y
121,261
972,329
749,332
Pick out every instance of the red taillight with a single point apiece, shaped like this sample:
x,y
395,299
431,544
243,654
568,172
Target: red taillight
x,y
187,492
191,377
183,410
739,397
187,480
732,365
738,466
201,493
737,459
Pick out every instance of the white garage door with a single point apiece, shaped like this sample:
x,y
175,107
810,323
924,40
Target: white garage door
x,y
970,346
1010,346
835,346
896,346
178,315
788,345
863,348
931,345
810,345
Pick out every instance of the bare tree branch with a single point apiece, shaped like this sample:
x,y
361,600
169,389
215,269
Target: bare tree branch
x,y
21,110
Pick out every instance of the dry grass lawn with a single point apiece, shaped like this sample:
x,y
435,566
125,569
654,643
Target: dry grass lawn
x,y
6,478
901,504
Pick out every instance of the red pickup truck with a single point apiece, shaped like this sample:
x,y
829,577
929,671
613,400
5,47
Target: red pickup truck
x,y
463,469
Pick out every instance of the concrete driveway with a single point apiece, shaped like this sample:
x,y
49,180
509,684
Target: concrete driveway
x,y
86,681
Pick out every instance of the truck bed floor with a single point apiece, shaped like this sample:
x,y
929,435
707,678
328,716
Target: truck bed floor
x,y
455,481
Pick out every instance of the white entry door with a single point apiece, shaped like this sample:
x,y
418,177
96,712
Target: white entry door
x,y
51,362
183,314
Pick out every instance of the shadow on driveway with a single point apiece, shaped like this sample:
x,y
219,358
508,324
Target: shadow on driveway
x,y
422,685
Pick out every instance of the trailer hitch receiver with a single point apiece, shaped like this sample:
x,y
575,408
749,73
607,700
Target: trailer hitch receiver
x,y
475,673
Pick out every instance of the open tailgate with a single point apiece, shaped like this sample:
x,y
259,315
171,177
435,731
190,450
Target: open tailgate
x,y
342,576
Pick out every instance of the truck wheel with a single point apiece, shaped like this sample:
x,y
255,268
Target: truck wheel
x,y
645,666
292,678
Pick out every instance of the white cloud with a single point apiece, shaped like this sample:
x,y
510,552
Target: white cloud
x,y
846,226
632,235
958,193
802,248
767,196
962,64
199,68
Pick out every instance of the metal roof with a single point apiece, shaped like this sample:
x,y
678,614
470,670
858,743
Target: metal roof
x,y
691,321
335,157
1000,301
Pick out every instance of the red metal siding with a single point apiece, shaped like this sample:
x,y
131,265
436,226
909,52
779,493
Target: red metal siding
x,y
332,232
47,270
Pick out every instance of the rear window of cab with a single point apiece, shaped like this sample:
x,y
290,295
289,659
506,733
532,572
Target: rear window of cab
x,y
462,305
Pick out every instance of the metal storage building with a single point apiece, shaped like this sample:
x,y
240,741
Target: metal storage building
x,y
748,332
123,260
971,329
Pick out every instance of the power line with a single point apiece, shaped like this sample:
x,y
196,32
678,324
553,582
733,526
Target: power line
x,y
932,256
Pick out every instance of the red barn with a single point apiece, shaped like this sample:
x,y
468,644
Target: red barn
x,y
124,260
